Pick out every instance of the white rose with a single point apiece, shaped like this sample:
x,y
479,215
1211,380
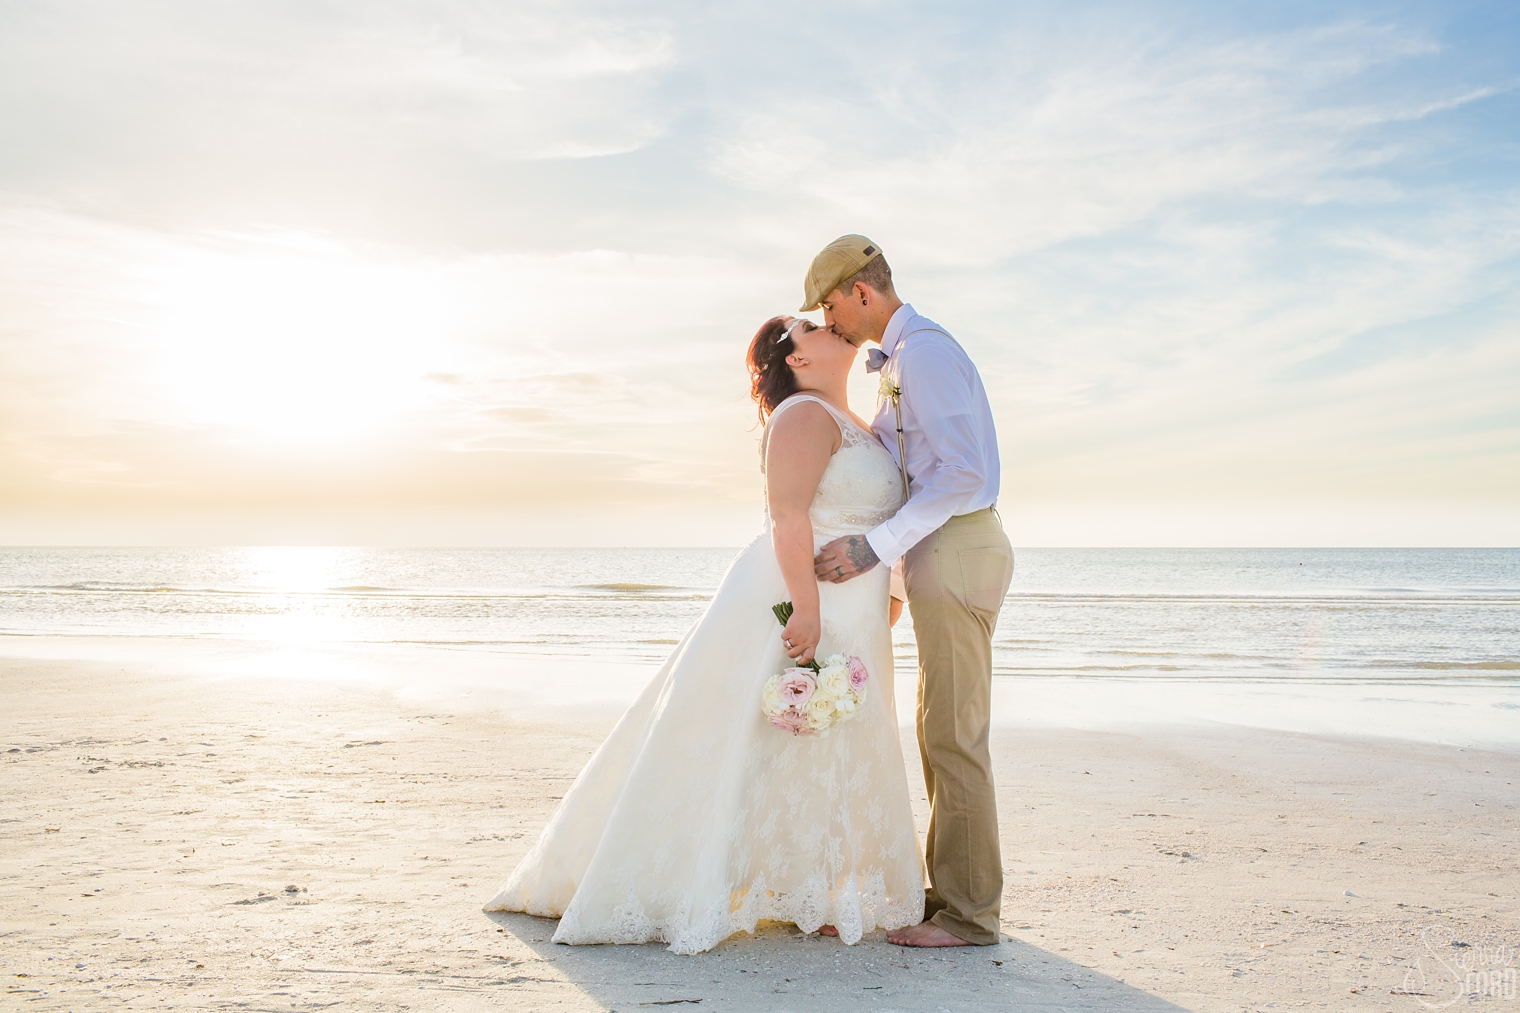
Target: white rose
x,y
819,711
834,680
770,700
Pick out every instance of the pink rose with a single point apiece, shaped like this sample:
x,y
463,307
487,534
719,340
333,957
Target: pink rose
x,y
858,673
796,686
790,720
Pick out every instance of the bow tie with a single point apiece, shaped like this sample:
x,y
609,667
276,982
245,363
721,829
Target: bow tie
x,y
875,359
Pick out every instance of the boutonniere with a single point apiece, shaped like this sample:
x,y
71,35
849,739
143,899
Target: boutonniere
x,y
889,390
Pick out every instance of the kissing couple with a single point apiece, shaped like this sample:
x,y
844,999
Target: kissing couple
x,y
708,809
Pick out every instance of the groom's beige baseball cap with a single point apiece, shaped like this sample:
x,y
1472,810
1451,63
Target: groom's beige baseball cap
x,y
837,261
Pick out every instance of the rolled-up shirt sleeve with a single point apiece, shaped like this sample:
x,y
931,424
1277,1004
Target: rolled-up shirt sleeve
x,y
937,394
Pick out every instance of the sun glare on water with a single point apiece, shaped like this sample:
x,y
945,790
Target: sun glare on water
x,y
296,569
299,610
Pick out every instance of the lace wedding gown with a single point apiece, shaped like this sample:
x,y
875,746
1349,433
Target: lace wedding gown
x,y
696,818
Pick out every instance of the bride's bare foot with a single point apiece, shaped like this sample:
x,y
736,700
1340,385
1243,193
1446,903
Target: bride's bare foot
x,y
827,930
924,934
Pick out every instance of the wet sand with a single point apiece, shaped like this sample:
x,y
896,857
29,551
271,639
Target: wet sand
x,y
192,842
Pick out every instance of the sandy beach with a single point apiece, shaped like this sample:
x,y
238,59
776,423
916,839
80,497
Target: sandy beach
x,y
240,843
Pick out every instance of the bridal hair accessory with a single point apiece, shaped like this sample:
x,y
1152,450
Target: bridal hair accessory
x,y
813,698
788,332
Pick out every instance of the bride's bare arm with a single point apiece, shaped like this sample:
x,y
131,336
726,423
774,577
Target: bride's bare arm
x,y
801,441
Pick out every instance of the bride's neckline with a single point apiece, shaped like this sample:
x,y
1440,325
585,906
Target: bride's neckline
x,y
844,413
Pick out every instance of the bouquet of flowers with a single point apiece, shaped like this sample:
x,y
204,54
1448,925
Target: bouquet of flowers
x,y
813,698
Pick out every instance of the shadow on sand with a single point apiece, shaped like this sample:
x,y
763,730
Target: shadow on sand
x,y
779,969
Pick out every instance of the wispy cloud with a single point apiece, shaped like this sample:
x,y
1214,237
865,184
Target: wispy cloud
x,y
432,257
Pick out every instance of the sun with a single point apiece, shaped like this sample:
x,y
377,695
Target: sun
x,y
294,339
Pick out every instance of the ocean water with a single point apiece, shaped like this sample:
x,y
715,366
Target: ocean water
x,y
1425,627
1390,615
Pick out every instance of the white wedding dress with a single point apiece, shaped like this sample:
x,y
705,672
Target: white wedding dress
x,y
696,818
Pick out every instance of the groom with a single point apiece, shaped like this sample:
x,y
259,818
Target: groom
x,y
957,565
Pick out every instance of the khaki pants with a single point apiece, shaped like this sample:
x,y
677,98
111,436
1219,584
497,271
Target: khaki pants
x,y
956,580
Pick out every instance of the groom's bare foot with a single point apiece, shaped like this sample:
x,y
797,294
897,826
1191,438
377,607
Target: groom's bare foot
x,y
925,934
827,930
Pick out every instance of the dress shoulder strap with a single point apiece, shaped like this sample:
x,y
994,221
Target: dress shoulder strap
x,y
789,402
796,399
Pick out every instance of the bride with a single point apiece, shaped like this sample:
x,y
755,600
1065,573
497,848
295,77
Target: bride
x,y
696,818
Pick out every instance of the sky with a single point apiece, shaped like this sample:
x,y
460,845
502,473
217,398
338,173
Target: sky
x,y
456,273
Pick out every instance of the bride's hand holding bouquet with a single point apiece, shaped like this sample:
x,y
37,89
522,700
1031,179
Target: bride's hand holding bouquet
x,y
801,630
813,697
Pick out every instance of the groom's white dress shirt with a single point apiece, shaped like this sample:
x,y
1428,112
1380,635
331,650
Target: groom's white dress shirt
x,y
948,434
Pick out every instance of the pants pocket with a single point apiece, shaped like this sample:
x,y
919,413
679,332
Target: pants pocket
x,y
986,572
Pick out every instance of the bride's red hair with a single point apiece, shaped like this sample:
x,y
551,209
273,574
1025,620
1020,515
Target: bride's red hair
x,y
771,380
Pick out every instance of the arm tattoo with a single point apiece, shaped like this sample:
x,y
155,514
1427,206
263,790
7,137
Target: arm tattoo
x,y
860,553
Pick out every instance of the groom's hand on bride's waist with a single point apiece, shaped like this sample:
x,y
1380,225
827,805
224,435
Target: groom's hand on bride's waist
x,y
844,558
